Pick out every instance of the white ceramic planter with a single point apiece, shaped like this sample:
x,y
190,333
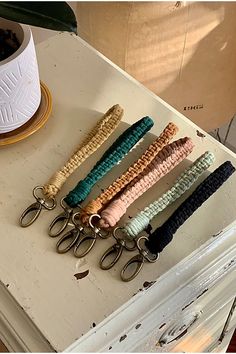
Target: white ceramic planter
x,y
20,92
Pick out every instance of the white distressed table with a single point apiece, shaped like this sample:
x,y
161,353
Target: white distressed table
x,y
43,306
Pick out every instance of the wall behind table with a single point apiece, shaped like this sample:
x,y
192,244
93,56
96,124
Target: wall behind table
x,y
184,52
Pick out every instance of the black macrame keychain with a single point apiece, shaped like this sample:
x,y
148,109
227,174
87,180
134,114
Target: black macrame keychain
x,y
151,246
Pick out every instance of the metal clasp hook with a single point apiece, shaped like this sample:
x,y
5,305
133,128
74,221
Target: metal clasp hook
x,y
61,221
138,260
35,208
115,251
89,239
71,237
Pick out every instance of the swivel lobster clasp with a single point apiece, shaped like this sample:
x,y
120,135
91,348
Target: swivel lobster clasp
x,y
31,214
61,221
86,242
71,237
113,253
132,268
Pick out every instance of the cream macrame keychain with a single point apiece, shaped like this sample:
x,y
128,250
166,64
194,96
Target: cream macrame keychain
x,y
97,136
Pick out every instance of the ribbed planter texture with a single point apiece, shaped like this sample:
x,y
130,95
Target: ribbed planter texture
x,y
20,92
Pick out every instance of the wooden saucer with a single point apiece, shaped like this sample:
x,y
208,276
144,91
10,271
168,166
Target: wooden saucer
x,y
35,123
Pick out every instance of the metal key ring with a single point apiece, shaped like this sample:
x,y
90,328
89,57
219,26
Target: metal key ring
x,y
81,241
144,252
97,229
35,208
116,250
74,218
62,219
64,205
72,235
138,260
44,201
91,238
125,239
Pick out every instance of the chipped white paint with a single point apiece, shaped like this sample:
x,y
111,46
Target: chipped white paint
x,y
199,286
58,308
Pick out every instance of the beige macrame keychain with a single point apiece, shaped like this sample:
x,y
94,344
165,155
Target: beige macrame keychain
x,y
96,137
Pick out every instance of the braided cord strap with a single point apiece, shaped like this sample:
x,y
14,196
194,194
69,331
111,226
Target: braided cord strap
x,y
94,206
112,156
97,136
184,182
169,157
163,235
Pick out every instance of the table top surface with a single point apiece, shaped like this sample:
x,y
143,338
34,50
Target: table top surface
x,y
84,85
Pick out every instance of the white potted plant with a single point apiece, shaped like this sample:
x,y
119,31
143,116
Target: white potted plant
x,y
20,92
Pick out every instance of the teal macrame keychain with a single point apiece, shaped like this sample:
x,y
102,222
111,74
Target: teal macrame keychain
x,y
121,147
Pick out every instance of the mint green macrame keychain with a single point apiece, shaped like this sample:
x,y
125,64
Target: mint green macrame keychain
x,y
142,220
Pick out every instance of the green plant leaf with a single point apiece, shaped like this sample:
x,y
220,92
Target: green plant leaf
x,y
56,15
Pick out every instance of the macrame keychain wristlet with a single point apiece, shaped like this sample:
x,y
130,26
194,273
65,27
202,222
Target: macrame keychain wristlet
x,y
125,236
121,147
97,136
114,154
94,206
169,157
163,235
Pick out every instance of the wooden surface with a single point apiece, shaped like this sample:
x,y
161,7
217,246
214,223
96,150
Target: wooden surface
x,y
3,349
182,51
42,282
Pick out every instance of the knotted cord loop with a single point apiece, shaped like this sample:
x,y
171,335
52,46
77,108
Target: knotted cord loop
x,y
110,158
141,221
94,206
96,137
169,157
163,235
